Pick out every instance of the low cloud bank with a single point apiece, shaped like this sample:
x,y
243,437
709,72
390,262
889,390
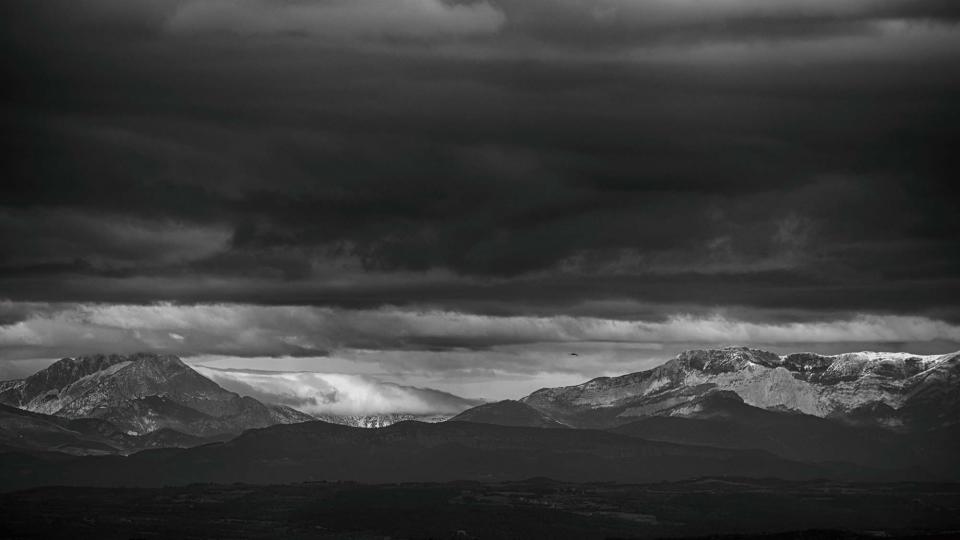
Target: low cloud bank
x,y
356,18
337,394
45,330
337,361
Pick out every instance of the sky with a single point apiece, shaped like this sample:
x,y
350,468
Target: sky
x,y
482,197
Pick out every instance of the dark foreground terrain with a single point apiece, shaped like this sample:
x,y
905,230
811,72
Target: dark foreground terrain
x,y
732,508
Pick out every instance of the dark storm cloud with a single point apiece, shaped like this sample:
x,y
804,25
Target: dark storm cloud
x,y
498,157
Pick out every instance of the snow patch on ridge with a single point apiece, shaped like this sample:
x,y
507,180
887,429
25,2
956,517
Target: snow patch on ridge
x,y
809,383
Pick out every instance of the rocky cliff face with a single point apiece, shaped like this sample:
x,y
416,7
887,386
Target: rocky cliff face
x,y
891,389
140,394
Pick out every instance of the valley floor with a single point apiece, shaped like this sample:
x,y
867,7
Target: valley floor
x,y
530,509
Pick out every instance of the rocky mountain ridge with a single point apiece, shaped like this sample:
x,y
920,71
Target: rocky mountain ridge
x,y
896,390
140,394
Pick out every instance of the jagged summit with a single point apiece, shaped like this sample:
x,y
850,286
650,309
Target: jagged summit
x,y
141,393
850,366
67,371
726,359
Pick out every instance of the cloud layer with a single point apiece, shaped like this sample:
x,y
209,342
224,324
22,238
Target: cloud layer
x,y
562,23
336,394
337,19
250,330
379,360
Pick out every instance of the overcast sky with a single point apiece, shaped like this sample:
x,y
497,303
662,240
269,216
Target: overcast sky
x,y
459,194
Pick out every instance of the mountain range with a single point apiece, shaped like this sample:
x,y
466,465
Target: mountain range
x,y
124,397
414,452
897,391
731,411
104,404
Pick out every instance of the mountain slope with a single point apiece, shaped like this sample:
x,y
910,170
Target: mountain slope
x,y
892,389
37,432
507,413
34,432
140,394
413,452
721,419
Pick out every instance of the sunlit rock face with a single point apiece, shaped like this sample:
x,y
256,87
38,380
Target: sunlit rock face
x,y
141,393
890,389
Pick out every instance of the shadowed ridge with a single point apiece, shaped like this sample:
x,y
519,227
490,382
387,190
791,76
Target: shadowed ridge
x,y
34,432
423,452
722,419
507,413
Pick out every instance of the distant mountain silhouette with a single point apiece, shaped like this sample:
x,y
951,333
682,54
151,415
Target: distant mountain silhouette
x,y
508,413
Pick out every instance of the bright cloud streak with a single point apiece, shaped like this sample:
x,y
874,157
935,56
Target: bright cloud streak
x,y
336,394
356,18
249,330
